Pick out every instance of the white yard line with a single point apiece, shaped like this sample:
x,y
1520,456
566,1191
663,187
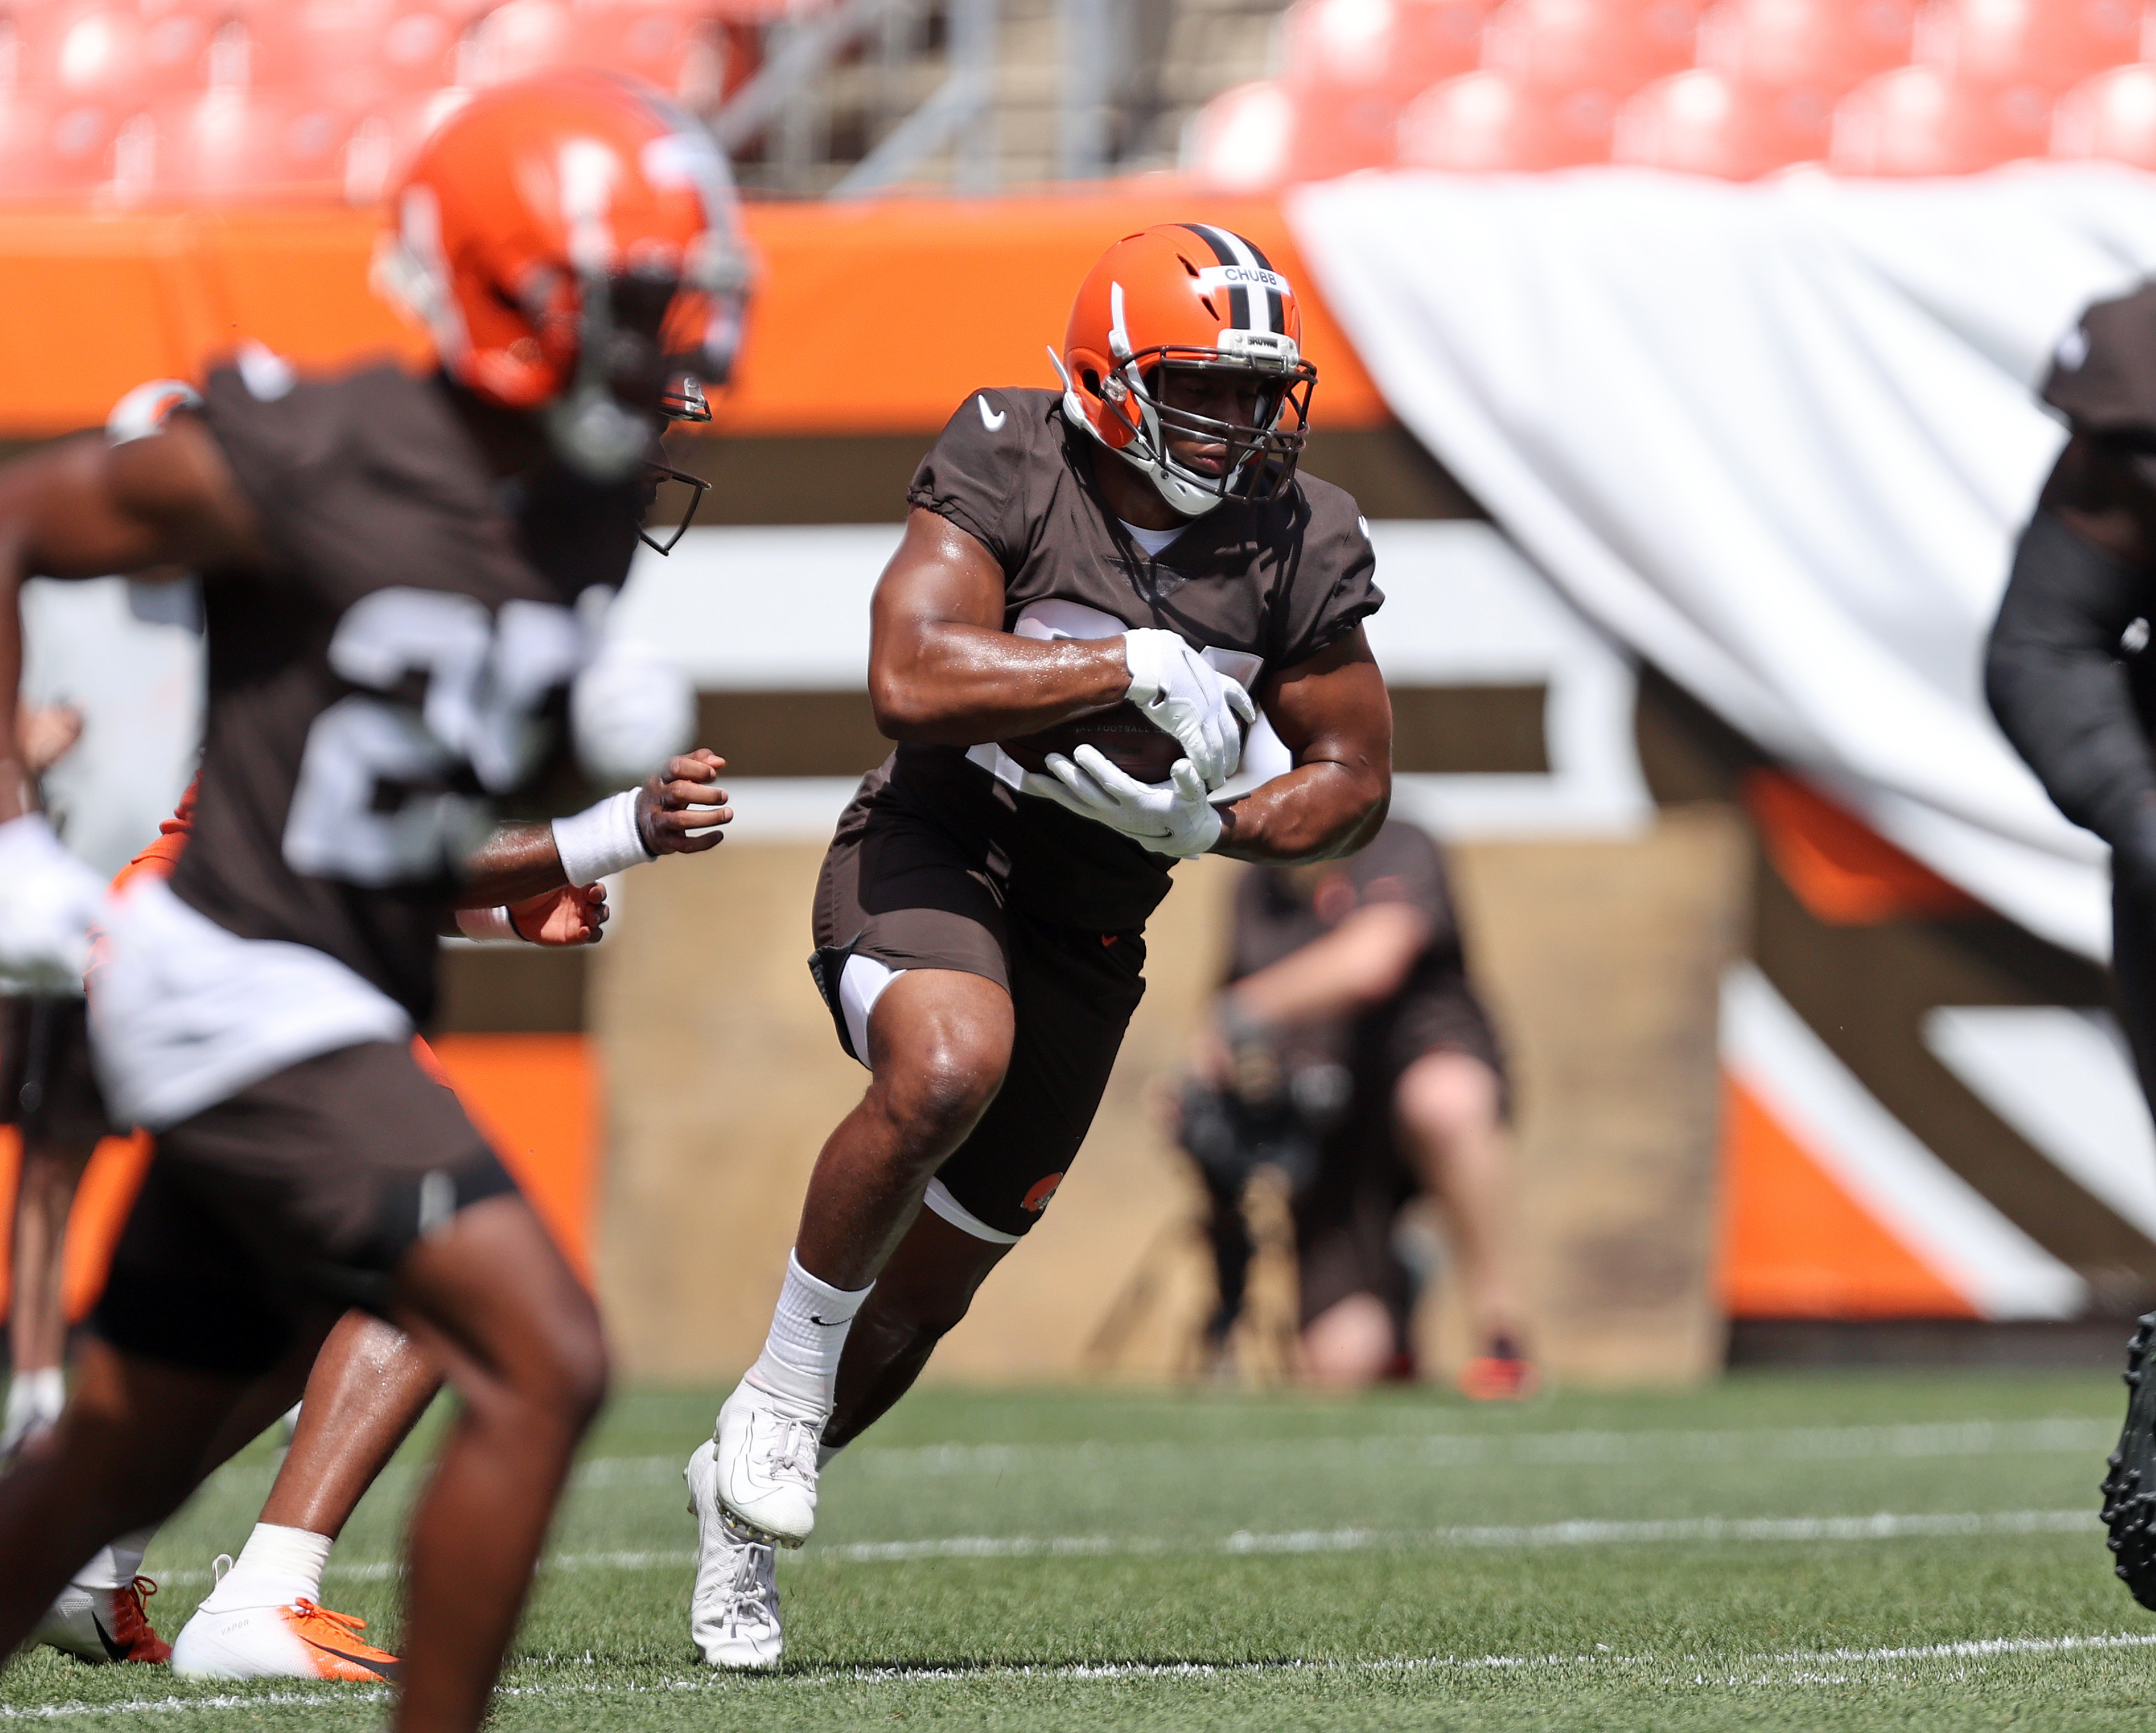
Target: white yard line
x,y
1882,1525
1708,1530
340,1697
1842,1444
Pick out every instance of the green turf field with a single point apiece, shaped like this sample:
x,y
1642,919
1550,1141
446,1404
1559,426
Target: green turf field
x,y
1909,1550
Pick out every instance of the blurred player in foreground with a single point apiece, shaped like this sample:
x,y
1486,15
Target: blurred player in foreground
x,y
1140,538
393,567
1351,1048
367,1388
46,1092
2073,685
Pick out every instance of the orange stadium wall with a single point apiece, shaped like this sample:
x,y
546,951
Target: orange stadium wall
x,y
535,1096
868,318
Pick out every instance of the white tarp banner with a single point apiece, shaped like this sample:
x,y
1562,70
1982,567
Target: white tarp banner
x,y
1778,438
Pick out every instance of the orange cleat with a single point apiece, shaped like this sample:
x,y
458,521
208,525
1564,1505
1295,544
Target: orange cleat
x,y
1502,1374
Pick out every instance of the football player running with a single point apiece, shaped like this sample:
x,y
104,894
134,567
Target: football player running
x,y
1141,537
2071,680
393,570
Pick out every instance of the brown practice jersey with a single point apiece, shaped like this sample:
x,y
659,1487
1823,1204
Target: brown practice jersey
x,y
397,667
1269,585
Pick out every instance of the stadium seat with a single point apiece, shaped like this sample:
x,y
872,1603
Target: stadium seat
x,y
1395,47
91,53
356,53
72,148
2053,45
518,39
1483,121
1554,73
1922,120
189,46
2112,116
1707,121
1613,46
1828,47
1241,141
233,142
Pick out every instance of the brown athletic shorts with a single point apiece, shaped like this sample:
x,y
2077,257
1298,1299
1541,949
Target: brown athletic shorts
x,y
905,892
47,1084
304,1189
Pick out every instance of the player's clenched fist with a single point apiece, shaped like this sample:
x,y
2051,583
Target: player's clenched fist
x,y
680,808
574,914
1182,695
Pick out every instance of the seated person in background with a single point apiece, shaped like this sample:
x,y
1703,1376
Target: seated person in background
x,y
1348,1030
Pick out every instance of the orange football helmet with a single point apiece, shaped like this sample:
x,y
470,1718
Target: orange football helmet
x,y
1188,295
572,244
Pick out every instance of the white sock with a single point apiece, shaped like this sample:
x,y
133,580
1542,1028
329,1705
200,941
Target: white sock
x,y
116,1566
276,1567
34,1401
800,1357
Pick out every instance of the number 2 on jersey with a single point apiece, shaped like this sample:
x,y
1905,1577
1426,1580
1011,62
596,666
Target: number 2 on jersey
x,y
376,802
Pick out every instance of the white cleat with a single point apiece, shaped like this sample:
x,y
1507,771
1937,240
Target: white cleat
x,y
766,1463
733,1612
300,1640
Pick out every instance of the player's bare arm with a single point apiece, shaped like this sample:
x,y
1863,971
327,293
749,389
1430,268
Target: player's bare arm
x,y
83,508
1332,713
680,809
942,668
1362,962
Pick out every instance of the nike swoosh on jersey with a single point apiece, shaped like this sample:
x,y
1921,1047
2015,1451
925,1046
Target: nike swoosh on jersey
x,y
992,419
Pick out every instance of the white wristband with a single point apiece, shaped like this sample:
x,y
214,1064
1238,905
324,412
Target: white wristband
x,y
601,840
489,926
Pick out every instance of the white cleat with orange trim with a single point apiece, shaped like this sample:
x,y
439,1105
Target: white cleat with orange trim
x,y
301,1639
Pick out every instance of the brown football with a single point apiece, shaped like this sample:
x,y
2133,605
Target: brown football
x,y
1121,734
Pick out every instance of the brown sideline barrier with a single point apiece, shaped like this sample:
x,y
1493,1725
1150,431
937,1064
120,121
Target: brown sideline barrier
x,y
874,317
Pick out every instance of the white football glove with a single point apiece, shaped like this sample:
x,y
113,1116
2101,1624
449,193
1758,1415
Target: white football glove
x,y
1182,694
629,710
47,901
1170,818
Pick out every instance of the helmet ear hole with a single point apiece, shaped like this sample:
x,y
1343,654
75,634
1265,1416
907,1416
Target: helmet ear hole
x,y
1091,379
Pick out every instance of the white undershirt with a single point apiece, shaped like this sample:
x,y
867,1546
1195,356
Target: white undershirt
x,y
1154,542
